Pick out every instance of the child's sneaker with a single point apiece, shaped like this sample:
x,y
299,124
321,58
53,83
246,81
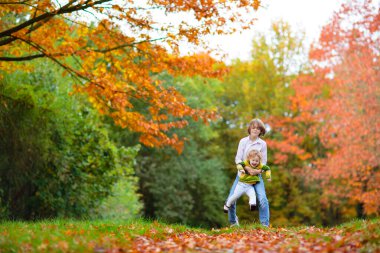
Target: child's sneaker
x,y
252,207
226,208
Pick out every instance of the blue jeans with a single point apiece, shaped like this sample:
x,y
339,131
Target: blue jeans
x,y
263,203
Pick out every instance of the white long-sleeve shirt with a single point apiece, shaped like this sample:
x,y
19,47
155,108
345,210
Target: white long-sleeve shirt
x,y
246,145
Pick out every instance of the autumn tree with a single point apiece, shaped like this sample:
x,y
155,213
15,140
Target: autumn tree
x,y
189,187
115,49
261,87
340,101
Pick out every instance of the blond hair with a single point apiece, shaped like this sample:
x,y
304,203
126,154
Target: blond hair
x,y
254,153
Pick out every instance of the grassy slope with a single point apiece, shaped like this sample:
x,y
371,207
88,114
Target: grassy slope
x,y
144,236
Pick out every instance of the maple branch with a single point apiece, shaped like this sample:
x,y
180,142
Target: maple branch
x,y
50,56
74,73
34,20
23,2
105,50
48,15
126,45
23,58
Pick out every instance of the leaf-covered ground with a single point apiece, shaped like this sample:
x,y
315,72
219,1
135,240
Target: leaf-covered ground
x,y
142,236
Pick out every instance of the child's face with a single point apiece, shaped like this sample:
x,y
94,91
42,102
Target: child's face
x,y
255,131
254,161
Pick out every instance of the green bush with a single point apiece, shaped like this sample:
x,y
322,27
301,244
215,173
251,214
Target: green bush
x,y
189,188
56,159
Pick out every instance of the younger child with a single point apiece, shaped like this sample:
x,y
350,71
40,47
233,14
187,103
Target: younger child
x,y
246,181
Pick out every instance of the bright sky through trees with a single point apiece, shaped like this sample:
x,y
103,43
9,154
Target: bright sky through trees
x,y
309,15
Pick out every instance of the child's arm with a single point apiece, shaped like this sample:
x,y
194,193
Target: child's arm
x,y
245,164
268,174
240,167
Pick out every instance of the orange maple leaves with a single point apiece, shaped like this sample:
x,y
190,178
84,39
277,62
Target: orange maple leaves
x,y
116,58
254,240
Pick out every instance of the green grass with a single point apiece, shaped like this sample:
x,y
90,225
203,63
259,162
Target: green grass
x,y
78,236
98,235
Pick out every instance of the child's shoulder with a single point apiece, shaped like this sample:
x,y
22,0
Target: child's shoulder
x,y
262,141
244,139
244,163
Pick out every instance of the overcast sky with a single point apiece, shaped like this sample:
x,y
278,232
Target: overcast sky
x,y
309,15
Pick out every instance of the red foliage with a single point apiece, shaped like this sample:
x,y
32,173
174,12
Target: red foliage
x,y
339,103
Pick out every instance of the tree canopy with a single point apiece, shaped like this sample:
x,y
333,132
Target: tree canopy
x,y
334,123
115,49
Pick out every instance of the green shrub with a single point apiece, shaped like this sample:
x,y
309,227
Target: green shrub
x,y
56,159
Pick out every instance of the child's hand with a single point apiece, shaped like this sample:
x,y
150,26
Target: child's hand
x,y
253,172
269,179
